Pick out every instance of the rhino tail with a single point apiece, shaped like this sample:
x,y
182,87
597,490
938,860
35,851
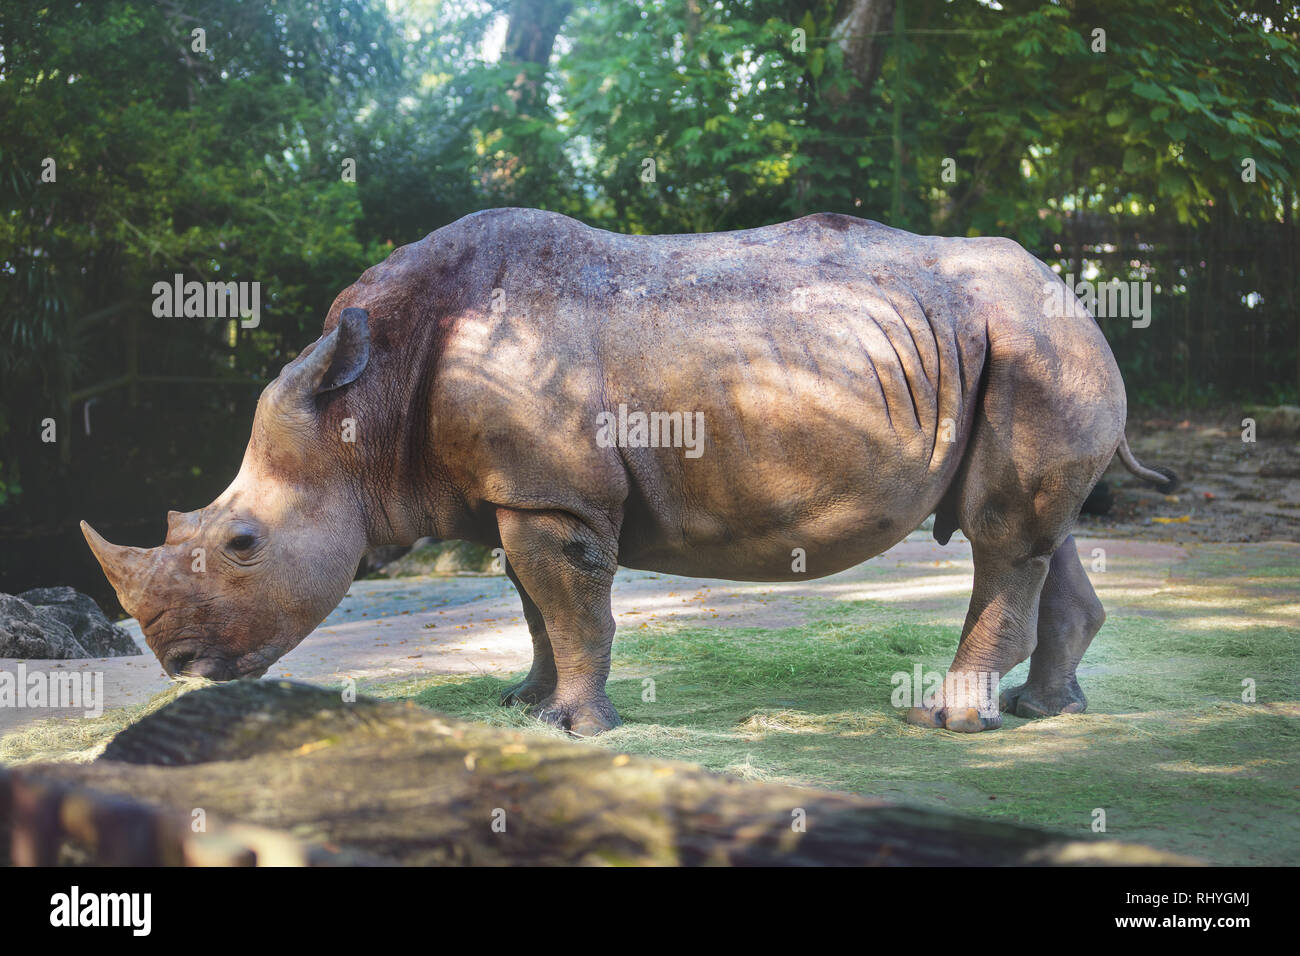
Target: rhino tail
x,y
1166,481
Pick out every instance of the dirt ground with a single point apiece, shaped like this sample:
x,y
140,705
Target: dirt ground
x,y
1230,490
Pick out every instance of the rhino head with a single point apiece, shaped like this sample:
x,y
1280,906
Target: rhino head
x,y
238,584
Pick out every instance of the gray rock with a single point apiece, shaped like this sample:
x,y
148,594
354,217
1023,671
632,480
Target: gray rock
x,y
1278,421
26,634
430,556
376,559
59,622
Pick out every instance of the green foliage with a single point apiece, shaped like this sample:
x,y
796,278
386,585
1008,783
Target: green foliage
x,y
704,98
225,163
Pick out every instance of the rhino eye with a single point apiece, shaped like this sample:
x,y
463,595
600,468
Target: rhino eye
x,y
241,542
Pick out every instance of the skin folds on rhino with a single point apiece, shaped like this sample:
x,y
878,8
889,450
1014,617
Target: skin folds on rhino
x,y
486,382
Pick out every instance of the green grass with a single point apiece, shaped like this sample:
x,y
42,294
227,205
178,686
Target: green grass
x,y
1168,749
60,740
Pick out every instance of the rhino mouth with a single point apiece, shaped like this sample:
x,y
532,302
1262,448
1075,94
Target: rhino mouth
x,y
188,660
181,662
189,650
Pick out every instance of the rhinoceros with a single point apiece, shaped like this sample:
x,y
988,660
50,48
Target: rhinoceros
x,y
706,405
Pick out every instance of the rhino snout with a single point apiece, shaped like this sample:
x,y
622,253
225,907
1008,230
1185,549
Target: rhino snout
x,y
188,662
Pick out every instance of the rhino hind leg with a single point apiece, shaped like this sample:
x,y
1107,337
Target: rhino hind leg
x,y
1069,617
998,635
566,567
1035,453
541,679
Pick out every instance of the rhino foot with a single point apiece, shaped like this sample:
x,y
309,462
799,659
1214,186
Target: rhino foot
x,y
529,693
1036,702
582,718
961,720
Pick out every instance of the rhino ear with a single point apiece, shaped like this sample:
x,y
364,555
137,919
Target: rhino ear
x,y
333,361
328,363
351,350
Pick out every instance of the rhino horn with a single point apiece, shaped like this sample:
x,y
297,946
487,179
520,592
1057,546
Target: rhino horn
x,y
127,569
181,526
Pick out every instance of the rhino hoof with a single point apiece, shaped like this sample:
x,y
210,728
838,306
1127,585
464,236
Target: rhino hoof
x,y
929,717
967,720
527,693
961,720
1025,701
582,719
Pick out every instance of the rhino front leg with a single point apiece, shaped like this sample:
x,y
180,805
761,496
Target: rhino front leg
x,y
1069,617
540,682
567,567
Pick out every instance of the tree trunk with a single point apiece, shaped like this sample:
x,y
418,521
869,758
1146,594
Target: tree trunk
x,y
861,28
287,773
533,28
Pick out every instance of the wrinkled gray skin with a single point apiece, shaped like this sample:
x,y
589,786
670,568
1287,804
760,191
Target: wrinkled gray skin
x,y
853,379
